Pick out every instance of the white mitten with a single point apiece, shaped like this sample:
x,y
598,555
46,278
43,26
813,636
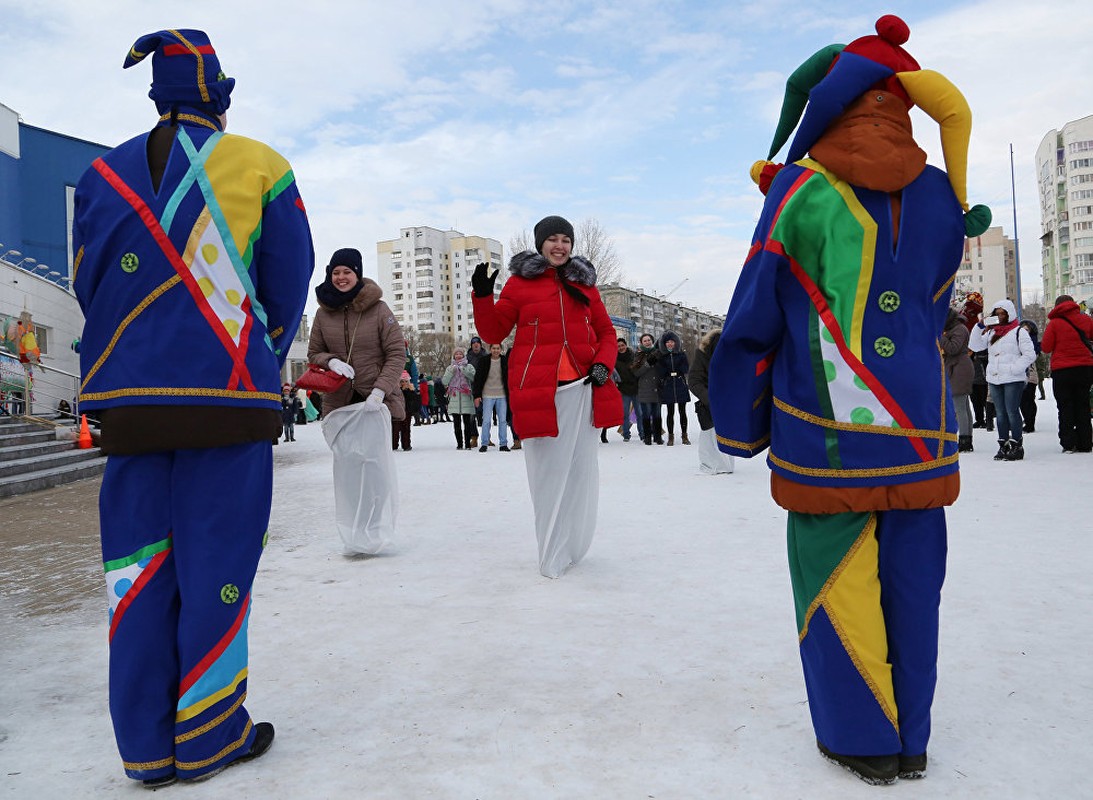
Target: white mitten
x,y
374,402
340,367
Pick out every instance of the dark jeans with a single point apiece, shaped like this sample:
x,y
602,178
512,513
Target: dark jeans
x,y
464,424
672,418
650,420
1007,408
1028,407
1070,386
400,429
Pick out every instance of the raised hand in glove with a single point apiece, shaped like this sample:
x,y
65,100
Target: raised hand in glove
x,y
481,282
340,367
598,374
374,401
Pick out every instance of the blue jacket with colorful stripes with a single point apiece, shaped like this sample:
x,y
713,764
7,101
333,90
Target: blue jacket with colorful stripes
x,y
829,353
216,262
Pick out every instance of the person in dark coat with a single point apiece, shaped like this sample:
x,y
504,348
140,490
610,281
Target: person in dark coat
x,y
400,428
628,387
959,372
1032,379
490,390
290,407
672,369
1065,337
643,365
440,398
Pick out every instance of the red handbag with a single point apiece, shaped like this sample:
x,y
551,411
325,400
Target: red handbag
x,y
317,379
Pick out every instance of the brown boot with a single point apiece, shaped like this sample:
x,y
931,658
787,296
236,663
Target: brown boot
x,y
472,442
671,439
684,439
516,445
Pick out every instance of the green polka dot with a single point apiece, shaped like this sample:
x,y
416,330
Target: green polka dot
x,y
828,337
130,262
862,416
884,347
888,301
229,593
860,383
895,424
829,371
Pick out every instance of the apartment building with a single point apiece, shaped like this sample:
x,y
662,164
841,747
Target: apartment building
x,y
634,312
425,275
989,266
1064,170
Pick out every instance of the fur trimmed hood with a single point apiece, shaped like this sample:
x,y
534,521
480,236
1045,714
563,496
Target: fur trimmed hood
x,y
709,341
368,296
529,264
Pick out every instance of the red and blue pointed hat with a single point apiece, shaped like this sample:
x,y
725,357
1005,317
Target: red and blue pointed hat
x,y
185,70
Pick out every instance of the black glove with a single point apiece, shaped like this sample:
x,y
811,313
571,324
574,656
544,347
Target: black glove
x,y
481,282
651,358
598,374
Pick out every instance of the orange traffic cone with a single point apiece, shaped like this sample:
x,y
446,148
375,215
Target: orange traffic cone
x,y
84,442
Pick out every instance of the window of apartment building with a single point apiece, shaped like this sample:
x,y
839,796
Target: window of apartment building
x,y
1083,260
1086,178
1082,226
1084,241
396,275
1082,194
1081,163
1080,147
1082,211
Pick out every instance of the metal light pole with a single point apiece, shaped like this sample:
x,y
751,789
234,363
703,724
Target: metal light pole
x,y
1016,240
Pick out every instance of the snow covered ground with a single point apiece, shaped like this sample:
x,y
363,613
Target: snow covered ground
x,y
663,666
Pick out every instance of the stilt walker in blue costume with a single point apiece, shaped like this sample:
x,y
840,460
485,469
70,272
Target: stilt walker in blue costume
x,y
829,357
192,261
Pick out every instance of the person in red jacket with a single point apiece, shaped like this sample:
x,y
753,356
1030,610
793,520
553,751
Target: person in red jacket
x,y
1071,372
564,341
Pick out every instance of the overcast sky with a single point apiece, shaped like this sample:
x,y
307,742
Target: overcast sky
x,y
487,116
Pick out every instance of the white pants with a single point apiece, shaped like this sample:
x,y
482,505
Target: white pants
x,y
365,480
564,478
710,459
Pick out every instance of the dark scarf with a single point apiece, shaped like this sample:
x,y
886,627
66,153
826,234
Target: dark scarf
x,y
331,297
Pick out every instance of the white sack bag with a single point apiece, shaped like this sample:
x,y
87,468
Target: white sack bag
x,y
710,458
365,480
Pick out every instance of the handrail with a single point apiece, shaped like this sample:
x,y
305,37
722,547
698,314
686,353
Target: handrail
x,y
42,366
25,400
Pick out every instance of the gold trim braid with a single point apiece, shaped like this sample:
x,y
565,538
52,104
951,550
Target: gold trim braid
x,y
208,726
141,765
871,472
173,391
910,433
213,759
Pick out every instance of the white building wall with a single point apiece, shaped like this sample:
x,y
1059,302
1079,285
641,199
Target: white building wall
x,y
1064,166
989,267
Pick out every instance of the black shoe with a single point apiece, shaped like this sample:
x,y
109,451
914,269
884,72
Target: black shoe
x,y
875,770
965,445
659,441
978,425
159,783
911,767
503,448
263,740
603,436
990,426
648,440
1015,451
1003,446
483,449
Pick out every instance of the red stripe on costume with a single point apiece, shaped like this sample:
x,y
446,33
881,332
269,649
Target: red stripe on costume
x,y
867,377
141,581
210,657
797,184
181,50
300,204
763,365
244,341
167,246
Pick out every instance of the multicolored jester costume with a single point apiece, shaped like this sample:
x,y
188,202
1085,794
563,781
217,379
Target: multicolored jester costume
x,y
192,269
829,357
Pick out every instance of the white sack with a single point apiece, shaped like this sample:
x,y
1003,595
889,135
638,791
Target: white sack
x,y
710,459
365,480
564,477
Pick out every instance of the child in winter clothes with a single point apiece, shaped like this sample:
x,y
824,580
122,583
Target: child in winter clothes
x,y
400,428
290,407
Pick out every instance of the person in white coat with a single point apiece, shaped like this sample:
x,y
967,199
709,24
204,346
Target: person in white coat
x,y
1011,351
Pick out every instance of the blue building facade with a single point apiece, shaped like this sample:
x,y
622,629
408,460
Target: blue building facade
x,y
38,176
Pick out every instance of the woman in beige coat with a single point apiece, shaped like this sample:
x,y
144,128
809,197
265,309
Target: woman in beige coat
x,y
356,335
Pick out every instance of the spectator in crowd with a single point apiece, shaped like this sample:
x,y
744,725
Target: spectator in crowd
x,y
711,460
644,368
1067,338
981,401
628,388
959,373
672,368
189,400
400,429
475,353
458,377
564,342
424,413
290,407
1032,379
439,397
491,392
1010,352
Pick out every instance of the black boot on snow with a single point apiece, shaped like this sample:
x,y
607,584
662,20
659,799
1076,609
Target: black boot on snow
x,y
1003,446
875,770
965,444
1015,451
911,767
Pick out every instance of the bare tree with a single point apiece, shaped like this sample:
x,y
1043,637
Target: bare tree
x,y
519,242
595,244
434,352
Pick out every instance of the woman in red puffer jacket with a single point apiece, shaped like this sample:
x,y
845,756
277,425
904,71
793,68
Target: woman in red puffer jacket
x,y
564,342
1071,372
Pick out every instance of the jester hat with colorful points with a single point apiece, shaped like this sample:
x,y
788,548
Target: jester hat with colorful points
x,y
834,77
185,71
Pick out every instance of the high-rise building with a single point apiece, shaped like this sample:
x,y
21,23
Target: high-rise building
x,y
425,275
1064,169
989,266
634,312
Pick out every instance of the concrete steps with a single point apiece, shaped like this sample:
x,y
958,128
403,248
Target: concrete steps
x,y
36,456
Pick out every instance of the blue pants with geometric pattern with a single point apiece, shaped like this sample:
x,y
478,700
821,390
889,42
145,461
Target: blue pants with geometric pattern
x,y
182,532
